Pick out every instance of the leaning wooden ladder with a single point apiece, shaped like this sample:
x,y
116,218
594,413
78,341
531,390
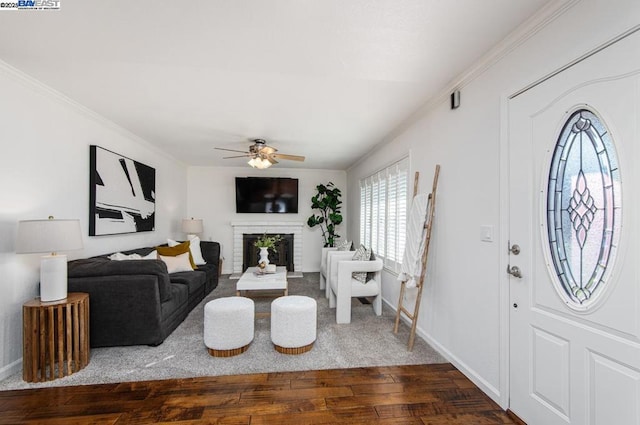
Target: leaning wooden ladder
x,y
413,317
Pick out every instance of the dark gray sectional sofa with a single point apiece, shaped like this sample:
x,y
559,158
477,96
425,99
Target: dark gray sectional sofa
x,y
135,302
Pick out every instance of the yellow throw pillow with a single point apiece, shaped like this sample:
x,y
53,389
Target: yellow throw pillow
x,y
172,251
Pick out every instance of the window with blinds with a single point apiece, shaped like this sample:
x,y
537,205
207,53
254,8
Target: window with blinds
x,y
383,212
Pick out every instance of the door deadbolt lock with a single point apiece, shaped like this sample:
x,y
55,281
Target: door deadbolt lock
x,y
514,271
515,249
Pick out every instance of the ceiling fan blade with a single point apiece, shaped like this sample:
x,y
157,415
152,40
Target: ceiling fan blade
x,y
236,156
289,157
231,150
271,159
268,150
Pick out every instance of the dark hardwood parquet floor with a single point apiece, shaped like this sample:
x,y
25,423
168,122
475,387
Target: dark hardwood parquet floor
x,y
436,394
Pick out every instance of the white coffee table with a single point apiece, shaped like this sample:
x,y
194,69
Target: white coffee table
x,y
250,281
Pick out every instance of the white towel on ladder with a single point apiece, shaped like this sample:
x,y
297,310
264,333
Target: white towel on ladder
x,y
411,267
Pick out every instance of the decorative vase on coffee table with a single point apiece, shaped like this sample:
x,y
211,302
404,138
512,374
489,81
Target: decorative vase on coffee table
x,y
264,256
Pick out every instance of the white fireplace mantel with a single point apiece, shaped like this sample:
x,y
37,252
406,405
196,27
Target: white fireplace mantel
x,y
282,227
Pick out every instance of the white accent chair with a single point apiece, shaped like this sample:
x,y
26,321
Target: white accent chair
x,y
341,286
332,258
323,266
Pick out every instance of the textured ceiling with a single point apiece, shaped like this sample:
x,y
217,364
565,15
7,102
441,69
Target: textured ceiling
x,y
327,79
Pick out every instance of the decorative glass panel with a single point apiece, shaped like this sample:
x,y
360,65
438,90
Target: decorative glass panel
x,y
583,207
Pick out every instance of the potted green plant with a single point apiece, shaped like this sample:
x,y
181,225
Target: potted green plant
x,y
265,243
327,200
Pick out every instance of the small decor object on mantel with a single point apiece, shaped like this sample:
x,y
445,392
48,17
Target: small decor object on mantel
x,y
265,243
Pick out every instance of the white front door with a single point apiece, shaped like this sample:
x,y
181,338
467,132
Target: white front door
x,y
574,321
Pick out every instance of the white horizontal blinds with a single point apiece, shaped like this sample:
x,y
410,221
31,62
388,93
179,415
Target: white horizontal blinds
x,y
383,214
402,202
392,222
363,209
366,239
375,203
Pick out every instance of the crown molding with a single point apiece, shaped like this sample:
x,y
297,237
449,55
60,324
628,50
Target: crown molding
x,y
547,14
38,86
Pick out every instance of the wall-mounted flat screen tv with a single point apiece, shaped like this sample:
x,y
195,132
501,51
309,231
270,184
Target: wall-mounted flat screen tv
x,y
266,195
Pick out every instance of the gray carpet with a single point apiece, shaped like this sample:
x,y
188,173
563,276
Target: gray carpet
x,y
367,341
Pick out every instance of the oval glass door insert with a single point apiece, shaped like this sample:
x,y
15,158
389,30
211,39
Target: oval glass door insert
x,y
583,208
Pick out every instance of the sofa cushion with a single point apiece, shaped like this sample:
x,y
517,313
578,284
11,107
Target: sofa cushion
x,y
101,266
210,252
175,309
194,280
211,271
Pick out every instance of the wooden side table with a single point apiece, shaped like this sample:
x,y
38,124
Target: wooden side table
x,y
55,337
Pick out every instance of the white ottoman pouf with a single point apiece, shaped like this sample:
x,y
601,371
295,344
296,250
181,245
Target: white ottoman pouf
x,y
228,325
293,324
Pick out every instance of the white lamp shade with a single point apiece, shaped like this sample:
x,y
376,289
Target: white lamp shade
x,y
192,225
48,236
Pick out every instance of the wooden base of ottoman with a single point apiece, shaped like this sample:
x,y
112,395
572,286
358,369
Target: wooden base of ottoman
x,y
294,350
228,353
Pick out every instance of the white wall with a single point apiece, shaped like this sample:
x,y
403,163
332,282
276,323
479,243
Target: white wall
x,y
211,194
461,312
44,170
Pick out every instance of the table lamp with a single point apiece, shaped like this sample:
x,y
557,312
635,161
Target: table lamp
x,y
37,236
191,226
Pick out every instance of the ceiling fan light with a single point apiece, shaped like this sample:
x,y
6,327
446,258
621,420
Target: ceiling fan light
x,y
259,163
264,164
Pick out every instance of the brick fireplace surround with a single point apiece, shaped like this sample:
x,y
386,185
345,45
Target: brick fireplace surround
x,y
273,227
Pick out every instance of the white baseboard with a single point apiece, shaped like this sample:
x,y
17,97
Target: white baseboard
x,y
485,386
11,369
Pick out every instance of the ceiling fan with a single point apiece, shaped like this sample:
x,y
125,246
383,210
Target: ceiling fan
x,y
262,155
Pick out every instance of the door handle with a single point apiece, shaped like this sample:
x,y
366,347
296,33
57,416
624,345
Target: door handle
x,y
514,271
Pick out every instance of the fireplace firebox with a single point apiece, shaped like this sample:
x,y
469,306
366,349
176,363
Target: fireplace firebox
x,y
282,255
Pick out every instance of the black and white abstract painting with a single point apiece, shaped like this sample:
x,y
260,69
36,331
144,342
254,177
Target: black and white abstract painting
x,y
123,194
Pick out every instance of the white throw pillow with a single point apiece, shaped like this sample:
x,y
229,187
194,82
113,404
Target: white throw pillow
x,y
194,247
344,246
179,263
119,256
361,254
196,251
